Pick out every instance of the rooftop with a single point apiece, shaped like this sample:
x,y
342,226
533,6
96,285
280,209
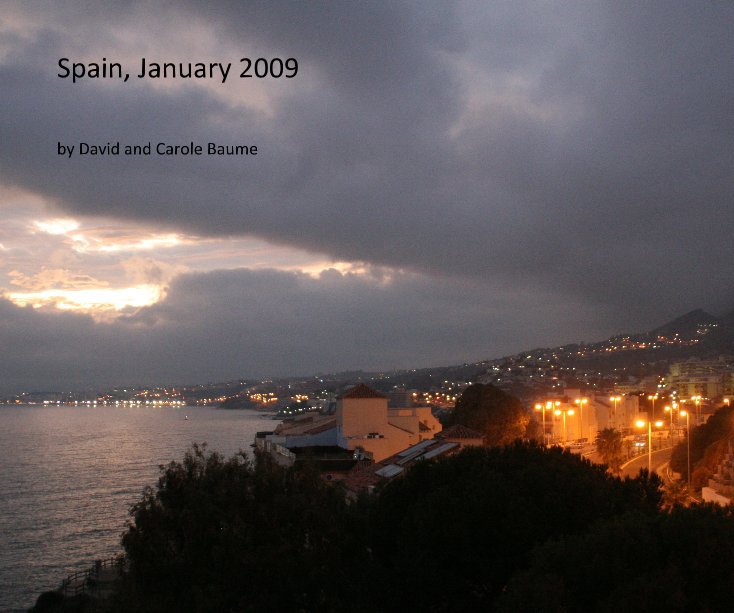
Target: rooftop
x,y
362,391
460,432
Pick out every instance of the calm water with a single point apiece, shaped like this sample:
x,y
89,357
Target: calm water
x,y
69,476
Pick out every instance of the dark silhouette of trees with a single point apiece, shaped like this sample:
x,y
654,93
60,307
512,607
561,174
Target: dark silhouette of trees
x,y
486,408
514,528
682,561
227,535
450,534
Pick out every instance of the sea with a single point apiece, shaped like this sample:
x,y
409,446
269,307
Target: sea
x,y
69,476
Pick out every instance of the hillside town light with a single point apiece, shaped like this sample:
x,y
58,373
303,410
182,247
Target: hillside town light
x,y
688,439
640,423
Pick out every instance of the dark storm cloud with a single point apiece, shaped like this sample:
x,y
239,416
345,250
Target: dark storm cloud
x,y
582,148
230,324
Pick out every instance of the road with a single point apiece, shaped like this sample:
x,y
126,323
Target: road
x,y
660,459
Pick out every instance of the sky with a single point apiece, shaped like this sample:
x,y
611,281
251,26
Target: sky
x,y
440,183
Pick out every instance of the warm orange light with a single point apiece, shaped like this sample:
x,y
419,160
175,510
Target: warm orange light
x,y
557,412
640,424
683,413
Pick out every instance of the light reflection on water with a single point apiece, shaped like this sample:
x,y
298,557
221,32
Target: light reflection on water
x,y
70,474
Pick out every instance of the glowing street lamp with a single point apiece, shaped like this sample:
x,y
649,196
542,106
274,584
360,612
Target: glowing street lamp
x,y
652,398
615,400
581,402
697,401
564,411
541,407
641,424
726,401
669,409
688,438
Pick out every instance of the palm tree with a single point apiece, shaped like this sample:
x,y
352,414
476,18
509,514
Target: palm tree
x,y
609,447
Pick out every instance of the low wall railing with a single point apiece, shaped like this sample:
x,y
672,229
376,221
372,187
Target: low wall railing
x,y
83,581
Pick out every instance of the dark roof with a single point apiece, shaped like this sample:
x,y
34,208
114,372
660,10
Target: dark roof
x,y
362,391
459,431
323,451
362,476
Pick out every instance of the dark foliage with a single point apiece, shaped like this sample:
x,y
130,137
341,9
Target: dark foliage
x,y
486,408
55,602
682,561
719,426
451,533
224,535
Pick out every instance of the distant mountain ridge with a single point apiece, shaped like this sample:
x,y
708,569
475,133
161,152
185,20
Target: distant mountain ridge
x,y
693,334
686,324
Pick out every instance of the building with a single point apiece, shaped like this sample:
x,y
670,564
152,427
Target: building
x,y
705,378
365,477
362,424
579,417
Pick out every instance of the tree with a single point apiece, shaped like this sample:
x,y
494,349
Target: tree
x,y
486,408
704,452
609,447
221,535
450,533
677,561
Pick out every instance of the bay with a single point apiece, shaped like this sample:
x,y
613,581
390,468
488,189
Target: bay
x,y
70,474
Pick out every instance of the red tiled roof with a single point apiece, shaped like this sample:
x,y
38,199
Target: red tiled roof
x,y
362,391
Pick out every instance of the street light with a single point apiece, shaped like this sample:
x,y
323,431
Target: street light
x,y
669,409
564,411
653,398
688,437
581,402
697,400
641,424
615,400
542,407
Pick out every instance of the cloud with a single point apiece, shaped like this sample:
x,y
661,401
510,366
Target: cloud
x,y
53,278
561,153
244,323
